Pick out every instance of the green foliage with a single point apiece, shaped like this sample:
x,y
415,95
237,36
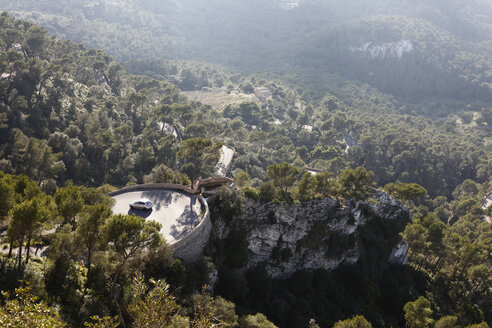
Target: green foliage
x,y
283,175
69,202
39,162
325,184
306,187
129,234
64,244
488,210
104,322
452,258
92,141
250,192
247,87
230,202
89,231
467,188
418,313
25,310
163,174
208,314
9,274
357,321
355,183
243,179
447,322
406,191
478,325
267,191
67,118
441,61
64,284
487,116
256,321
225,311
27,219
464,206
6,199
201,152
154,307
159,263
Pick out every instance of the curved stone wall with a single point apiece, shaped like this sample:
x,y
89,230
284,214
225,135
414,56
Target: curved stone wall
x,y
190,247
168,186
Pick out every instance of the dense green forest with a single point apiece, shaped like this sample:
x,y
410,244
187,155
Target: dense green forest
x,y
75,124
109,120
424,50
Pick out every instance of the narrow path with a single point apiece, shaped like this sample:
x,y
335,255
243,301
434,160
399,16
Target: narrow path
x,y
224,165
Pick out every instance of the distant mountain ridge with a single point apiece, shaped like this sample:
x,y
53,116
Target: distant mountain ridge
x,y
399,55
443,47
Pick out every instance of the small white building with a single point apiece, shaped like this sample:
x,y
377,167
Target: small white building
x,y
17,47
308,128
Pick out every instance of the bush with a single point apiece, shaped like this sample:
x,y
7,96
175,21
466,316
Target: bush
x,y
267,192
247,87
251,193
256,321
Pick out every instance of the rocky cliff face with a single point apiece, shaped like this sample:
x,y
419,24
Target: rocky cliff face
x,y
320,234
384,50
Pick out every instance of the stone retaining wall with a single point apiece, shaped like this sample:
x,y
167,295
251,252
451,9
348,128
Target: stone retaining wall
x,y
169,186
190,247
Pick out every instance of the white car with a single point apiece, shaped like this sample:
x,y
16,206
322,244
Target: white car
x,y
141,204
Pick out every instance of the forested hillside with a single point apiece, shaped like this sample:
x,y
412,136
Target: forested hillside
x,y
383,97
407,58
85,114
70,113
413,50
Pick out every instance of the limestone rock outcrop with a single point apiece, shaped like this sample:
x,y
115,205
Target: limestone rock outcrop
x,y
319,234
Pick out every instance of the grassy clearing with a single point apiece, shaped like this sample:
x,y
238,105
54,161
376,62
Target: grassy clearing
x,y
218,98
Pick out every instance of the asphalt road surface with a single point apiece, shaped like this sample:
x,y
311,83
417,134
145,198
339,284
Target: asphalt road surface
x,y
177,213
224,165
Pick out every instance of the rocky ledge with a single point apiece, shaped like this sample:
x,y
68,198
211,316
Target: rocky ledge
x,y
319,234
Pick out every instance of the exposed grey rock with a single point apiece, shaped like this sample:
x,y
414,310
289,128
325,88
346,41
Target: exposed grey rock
x,y
384,50
399,254
319,234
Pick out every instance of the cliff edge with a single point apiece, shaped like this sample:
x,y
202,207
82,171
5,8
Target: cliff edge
x,y
319,234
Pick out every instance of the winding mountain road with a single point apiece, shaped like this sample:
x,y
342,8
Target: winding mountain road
x,y
224,165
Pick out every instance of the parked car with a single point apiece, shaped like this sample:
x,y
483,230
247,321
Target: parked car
x,y
141,204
